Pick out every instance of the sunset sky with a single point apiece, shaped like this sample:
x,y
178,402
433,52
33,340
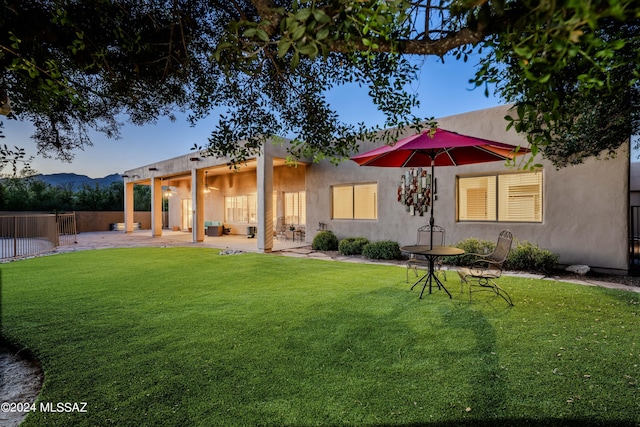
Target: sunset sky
x,y
443,90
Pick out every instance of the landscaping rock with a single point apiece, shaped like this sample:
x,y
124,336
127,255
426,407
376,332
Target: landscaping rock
x,y
21,384
581,270
231,252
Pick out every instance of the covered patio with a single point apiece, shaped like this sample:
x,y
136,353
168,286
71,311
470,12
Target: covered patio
x,y
191,192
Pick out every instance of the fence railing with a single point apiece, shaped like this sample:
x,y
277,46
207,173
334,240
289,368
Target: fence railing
x,y
24,235
67,230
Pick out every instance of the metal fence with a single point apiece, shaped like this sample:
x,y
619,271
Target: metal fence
x,y
634,241
24,235
67,230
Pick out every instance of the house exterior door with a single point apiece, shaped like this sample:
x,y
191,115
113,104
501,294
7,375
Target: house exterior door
x,y
187,214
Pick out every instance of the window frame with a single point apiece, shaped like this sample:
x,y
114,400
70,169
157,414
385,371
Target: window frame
x,y
244,206
496,208
299,208
353,203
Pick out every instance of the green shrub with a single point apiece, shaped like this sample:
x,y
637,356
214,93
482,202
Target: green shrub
x,y
384,249
523,256
470,246
527,256
352,245
325,241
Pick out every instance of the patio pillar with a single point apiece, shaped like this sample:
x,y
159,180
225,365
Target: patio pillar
x,y
197,195
265,200
128,207
156,207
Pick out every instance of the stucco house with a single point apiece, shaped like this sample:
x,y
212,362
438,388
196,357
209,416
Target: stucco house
x,y
580,212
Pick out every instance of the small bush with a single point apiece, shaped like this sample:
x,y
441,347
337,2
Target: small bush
x,y
523,256
352,245
385,249
470,246
527,256
325,241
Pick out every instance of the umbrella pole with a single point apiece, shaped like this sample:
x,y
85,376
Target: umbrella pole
x,y
433,202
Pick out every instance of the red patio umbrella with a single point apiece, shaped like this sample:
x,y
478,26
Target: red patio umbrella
x,y
438,148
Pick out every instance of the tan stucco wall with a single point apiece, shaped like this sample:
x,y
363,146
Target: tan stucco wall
x,y
88,221
585,207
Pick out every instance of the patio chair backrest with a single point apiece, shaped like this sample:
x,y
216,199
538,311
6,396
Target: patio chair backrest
x,y
424,235
503,247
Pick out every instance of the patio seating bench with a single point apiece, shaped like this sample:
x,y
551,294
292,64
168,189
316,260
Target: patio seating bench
x,y
119,226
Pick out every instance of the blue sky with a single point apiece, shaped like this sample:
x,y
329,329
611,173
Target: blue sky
x,y
443,90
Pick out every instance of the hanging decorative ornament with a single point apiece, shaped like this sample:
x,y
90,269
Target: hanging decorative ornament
x,y
414,191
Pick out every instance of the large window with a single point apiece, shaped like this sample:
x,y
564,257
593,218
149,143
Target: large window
x,y
241,209
514,197
354,201
295,207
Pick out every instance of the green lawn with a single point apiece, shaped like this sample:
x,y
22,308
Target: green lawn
x,y
186,337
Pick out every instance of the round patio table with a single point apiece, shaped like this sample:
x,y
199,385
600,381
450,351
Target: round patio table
x,y
431,252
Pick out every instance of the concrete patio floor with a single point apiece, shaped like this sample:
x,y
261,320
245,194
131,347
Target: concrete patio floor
x,y
120,239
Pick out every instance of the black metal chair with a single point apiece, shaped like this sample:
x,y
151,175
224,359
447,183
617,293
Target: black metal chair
x,y
486,268
424,238
281,229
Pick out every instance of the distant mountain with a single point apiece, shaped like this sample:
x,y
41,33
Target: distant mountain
x,y
77,181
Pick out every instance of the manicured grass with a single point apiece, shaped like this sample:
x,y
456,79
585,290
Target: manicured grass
x,y
184,336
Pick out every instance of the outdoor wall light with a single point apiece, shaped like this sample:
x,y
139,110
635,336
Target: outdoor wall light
x,y
153,169
206,181
194,159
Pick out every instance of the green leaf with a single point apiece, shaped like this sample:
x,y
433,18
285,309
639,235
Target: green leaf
x,y
545,78
262,35
291,23
309,49
250,32
298,33
322,34
303,14
283,47
320,16
522,51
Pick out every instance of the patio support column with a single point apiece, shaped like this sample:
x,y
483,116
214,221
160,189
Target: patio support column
x,y
265,200
156,207
128,207
197,195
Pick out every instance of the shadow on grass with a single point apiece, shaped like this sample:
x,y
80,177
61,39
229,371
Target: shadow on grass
x,y
552,422
484,372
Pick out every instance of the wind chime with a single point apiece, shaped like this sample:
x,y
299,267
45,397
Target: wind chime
x,y
414,191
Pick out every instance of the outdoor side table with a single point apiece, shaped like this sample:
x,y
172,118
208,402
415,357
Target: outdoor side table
x,y
431,252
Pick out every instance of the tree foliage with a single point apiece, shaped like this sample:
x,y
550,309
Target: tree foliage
x,y
32,194
587,104
73,66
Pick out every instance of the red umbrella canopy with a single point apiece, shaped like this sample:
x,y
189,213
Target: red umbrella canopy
x,y
445,147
